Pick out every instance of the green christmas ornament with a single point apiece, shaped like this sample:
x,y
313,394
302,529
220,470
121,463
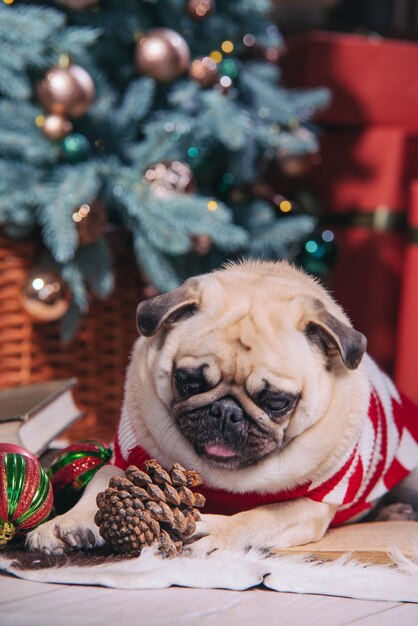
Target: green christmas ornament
x,y
318,253
74,468
75,147
25,495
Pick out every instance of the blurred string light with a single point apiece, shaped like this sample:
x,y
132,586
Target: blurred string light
x,y
328,236
82,212
313,246
39,119
8,1
228,68
200,10
248,40
216,56
318,253
285,206
225,81
227,46
212,205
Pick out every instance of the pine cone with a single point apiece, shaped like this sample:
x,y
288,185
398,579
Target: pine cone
x,y
153,507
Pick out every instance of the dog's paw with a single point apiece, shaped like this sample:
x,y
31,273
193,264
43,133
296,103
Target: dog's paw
x,y
213,533
396,511
210,525
64,533
203,547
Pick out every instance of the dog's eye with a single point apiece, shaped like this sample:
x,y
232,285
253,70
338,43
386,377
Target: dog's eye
x,y
276,404
189,382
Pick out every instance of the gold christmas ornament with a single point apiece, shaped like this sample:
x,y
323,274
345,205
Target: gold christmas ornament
x,y
170,177
45,296
90,219
200,9
148,508
204,71
66,91
162,54
56,127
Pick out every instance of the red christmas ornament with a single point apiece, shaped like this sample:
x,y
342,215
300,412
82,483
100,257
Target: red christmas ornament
x,y
25,495
14,449
73,469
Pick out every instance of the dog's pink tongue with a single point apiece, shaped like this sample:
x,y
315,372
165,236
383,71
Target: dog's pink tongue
x,y
217,449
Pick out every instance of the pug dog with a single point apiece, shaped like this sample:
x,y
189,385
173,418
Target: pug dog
x,y
254,376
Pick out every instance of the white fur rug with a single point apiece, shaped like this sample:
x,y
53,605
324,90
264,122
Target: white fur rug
x,y
228,570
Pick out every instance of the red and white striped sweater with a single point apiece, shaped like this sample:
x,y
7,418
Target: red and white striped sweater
x,y
386,452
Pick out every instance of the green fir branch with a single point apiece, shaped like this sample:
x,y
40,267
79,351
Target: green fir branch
x,y
228,120
71,186
155,264
134,123
95,264
137,101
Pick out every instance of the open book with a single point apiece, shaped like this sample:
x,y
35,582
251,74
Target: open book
x,y
371,542
33,415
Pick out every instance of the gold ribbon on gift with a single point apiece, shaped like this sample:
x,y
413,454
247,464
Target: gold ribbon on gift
x,y
380,219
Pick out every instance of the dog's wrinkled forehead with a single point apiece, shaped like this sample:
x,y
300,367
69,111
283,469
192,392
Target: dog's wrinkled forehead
x,y
222,304
247,326
238,338
245,319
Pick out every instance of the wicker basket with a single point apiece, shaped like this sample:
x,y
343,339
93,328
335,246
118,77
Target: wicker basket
x,y
97,356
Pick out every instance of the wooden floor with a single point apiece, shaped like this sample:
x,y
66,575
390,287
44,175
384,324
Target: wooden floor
x,y
24,603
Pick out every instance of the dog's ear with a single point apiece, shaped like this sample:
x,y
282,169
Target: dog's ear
x,y
168,308
334,336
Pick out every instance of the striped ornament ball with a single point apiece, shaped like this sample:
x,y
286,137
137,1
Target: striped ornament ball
x,y
26,497
73,469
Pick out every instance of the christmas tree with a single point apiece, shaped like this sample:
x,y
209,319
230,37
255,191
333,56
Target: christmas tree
x,y
160,116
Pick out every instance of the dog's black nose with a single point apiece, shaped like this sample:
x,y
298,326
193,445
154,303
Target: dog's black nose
x,y
227,410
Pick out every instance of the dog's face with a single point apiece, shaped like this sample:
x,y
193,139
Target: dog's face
x,y
244,360
234,391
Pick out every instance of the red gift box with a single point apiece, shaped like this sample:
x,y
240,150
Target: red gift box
x,y
373,80
369,160
362,170
363,184
407,340
366,282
